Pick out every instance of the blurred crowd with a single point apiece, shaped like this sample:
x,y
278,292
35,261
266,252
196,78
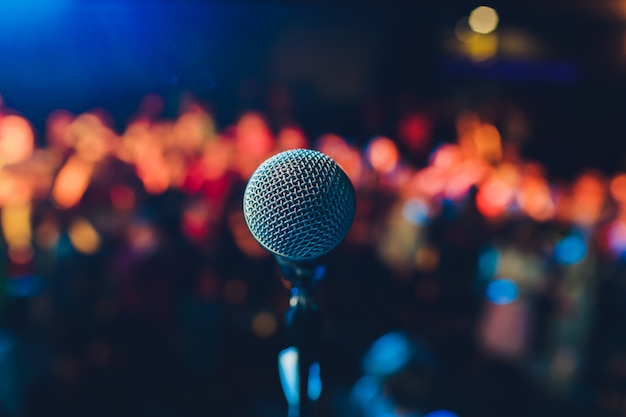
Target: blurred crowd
x,y
132,286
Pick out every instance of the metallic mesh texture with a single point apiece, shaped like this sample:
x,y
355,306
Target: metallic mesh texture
x,y
299,204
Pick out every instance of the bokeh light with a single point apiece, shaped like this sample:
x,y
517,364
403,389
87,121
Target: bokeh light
x,y
502,291
71,182
142,237
441,413
366,389
25,286
315,382
463,31
426,258
588,198
483,20
84,237
616,238
122,197
493,197
47,235
415,211
571,249
383,155
489,263
264,324
16,225
16,139
535,198
289,375
388,354
618,187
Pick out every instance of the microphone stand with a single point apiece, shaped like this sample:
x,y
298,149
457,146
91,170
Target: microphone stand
x,y
304,325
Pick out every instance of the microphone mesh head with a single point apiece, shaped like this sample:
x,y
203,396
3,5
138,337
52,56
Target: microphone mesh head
x,y
299,204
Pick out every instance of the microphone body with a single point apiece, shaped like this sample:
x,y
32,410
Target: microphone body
x,y
299,205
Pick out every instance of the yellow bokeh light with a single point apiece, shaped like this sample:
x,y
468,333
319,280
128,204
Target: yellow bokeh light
x,y
488,143
83,236
483,47
483,20
16,224
463,31
264,324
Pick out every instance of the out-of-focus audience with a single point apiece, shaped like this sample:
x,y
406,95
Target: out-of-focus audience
x,y
470,284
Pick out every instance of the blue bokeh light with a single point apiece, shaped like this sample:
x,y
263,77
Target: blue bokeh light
x,y
415,211
388,354
489,263
24,286
365,389
7,343
570,250
441,413
289,376
502,291
315,382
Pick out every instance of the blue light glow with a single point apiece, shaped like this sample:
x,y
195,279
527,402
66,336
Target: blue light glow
x,y
7,342
18,17
388,354
570,250
288,372
502,291
441,413
24,286
315,382
365,389
415,211
488,263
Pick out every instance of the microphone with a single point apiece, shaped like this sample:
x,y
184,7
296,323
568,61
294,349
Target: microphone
x,y
299,205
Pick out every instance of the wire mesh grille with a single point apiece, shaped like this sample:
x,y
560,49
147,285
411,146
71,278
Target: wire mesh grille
x,y
299,204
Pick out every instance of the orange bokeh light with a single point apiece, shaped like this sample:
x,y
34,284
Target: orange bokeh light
x,y
618,188
291,138
588,198
347,156
383,155
253,135
446,157
17,139
493,197
71,182
93,140
431,181
535,198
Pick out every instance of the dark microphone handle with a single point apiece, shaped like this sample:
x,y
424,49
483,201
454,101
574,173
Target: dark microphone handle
x,y
304,324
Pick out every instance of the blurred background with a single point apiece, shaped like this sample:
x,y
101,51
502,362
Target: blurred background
x,y
484,275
